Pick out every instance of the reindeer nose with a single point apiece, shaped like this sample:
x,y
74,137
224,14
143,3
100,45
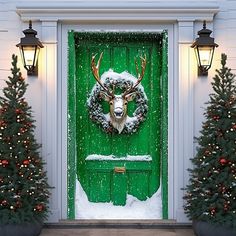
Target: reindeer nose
x,y
118,114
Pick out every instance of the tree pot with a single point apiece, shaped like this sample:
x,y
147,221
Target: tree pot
x,y
202,228
24,229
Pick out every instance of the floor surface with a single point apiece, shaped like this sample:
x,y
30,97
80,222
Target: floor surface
x,y
117,232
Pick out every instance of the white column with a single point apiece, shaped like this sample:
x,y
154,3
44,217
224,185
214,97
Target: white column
x,y
49,115
184,119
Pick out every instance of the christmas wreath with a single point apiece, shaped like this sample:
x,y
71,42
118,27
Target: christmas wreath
x,y
122,81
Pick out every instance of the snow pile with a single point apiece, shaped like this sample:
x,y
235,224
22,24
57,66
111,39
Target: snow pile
x,y
134,208
97,157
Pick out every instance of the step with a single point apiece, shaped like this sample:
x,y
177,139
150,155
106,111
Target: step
x,y
123,224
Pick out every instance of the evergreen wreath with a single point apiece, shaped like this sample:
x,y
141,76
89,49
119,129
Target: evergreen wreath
x,y
121,81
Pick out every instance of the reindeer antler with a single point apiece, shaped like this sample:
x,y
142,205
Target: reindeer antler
x,y
95,70
140,74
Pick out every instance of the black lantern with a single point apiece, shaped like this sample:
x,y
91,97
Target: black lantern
x,y
204,47
29,48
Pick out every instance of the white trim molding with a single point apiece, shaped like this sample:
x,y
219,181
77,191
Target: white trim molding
x,y
178,17
138,11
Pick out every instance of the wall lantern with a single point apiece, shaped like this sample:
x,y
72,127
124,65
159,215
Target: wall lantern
x,y
204,47
29,48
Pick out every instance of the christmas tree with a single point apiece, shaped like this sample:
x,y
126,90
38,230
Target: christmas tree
x,y
211,193
23,184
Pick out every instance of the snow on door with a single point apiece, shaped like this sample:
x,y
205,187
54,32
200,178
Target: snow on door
x,y
120,171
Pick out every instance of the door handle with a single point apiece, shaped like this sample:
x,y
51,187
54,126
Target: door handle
x,y
120,169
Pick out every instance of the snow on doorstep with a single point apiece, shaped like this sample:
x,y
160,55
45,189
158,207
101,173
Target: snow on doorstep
x,y
96,157
134,208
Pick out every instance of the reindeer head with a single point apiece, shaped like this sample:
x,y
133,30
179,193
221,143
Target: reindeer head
x,y
118,103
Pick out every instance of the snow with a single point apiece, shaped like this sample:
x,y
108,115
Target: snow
x,y
107,117
134,208
97,157
131,119
115,76
119,76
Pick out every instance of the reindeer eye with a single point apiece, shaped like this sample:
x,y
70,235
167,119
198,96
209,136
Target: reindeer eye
x,y
111,102
126,102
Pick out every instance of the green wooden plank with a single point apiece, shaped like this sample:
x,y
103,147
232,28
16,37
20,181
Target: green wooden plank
x,y
144,131
100,186
138,141
155,117
81,109
99,140
110,165
138,184
119,146
71,175
165,125
119,188
95,133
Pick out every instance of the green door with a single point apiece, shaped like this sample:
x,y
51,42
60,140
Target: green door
x,y
111,165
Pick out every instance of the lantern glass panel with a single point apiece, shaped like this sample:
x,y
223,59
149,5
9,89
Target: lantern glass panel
x,y
29,56
205,56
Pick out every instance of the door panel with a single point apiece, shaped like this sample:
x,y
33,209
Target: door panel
x,y
100,181
98,177
138,184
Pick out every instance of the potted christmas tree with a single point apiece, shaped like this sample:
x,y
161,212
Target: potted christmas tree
x,y
211,194
24,191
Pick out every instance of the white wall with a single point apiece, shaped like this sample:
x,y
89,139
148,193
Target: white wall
x,y
43,91
10,32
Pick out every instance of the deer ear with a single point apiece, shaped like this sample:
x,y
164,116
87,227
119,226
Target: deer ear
x,y
105,96
130,97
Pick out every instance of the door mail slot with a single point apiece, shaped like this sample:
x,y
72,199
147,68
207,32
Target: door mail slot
x,y
119,169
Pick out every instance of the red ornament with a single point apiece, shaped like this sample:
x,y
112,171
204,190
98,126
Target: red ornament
x,y
18,111
21,78
26,162
207,152
4,202
8,139
223,161
4,162
28,124
22,130
18,204
3,109
216,118
226,207
39,207
213,211
222,189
